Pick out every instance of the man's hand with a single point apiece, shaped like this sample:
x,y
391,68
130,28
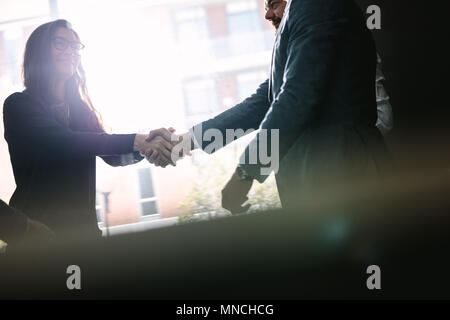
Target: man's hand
x,y
162,132
154,156
182,145
158,149
234,195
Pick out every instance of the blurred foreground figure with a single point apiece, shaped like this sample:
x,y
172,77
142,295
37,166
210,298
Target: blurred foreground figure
x,y
15,227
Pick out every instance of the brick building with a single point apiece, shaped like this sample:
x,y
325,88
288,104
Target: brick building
x,y
149,64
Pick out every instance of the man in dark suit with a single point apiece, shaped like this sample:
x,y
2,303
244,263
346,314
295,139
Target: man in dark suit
x,y
317,111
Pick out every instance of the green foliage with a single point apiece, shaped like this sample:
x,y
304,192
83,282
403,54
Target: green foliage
x,y
205,195
264,196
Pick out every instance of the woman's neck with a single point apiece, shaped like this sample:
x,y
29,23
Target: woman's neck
x,y
57,91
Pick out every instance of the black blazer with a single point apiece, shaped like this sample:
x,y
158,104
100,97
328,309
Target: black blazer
x,y
54,165
320,95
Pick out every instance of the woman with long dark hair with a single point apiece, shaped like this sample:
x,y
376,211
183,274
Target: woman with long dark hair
x,y
54,134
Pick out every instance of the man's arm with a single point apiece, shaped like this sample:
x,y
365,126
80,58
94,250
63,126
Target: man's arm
x,y
311,52
245,115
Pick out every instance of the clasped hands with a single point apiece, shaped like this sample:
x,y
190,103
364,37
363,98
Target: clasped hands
x,y
162,147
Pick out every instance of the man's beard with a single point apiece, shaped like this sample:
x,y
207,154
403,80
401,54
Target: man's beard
x,y
276,25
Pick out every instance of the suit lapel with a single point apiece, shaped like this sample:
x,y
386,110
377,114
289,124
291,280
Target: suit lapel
x,y
271,78
269,93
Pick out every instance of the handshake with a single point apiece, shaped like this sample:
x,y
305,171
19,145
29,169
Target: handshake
x,y
162,147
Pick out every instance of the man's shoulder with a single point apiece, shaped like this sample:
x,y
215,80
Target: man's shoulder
x,y
322,4
307,12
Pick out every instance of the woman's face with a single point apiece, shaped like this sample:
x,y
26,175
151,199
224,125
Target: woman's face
x,y
65,52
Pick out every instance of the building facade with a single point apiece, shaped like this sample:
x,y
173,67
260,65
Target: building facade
x,y
150,64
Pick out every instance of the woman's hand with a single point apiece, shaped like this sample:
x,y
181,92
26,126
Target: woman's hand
x,y
163,147
157,148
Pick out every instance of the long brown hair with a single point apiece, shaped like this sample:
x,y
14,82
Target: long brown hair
x,y
37,72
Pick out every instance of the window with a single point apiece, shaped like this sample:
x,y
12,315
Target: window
x,y
200,97
147,195
192,32
244,25
149,208
243,16
21,10
13,46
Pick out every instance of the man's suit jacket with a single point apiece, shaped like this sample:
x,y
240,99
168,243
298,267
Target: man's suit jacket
x,y
321,85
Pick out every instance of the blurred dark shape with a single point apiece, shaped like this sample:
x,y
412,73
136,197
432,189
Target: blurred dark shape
x,y
320,251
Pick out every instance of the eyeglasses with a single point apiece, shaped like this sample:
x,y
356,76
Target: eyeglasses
x,y
61,44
